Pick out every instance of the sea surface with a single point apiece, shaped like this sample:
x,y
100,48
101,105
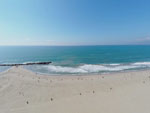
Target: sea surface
x,y
78,59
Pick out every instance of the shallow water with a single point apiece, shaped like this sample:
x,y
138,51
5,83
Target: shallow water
x,y
78,59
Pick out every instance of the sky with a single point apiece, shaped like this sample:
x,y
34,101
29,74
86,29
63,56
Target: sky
x,y
74,22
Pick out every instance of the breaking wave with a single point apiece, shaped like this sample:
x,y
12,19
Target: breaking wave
x,y
142,63
90,68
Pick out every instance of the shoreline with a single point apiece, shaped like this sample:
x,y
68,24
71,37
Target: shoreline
x,y
120,73
89,74
84,69
23,91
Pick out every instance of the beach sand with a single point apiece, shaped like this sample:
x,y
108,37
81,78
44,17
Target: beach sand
x,y
23,91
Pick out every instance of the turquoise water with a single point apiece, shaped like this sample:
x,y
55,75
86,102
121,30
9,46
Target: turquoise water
x,y
78,59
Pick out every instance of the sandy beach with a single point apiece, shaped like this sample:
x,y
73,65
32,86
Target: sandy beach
x,y
22,91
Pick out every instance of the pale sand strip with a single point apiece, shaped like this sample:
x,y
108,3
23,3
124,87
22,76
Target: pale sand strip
x,y
22,91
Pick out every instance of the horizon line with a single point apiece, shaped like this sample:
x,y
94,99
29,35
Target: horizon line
x,y
85,45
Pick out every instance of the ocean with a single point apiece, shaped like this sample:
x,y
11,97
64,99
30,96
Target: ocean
x,y
78,59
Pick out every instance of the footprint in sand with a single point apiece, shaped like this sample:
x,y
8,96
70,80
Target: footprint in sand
x,y
51,99
27,102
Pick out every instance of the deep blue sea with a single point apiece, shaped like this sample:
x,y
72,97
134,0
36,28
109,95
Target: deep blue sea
x,y
78,59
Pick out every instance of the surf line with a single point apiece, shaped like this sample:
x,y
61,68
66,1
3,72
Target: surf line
x,y
36,63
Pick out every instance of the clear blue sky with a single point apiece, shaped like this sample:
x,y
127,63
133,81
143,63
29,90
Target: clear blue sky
x,y
74,22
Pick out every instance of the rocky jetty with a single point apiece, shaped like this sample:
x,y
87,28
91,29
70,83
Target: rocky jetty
x,y
36,63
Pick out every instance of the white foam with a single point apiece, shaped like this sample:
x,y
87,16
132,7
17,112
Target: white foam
x,y
142,63
61,69
115,64
89,68
30,62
